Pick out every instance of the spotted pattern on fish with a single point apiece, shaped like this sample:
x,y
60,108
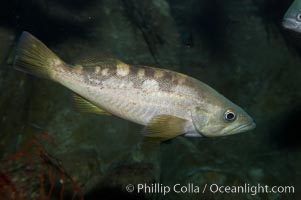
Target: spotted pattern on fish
x,y
122,69
140,72
139,77
166,85
159,74
166,79
149,73
167,102
105,72
97,69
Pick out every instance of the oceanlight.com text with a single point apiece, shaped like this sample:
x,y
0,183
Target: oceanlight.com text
x,y
158,188
250,189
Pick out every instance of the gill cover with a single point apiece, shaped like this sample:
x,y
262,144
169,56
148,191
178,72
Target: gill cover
x,y
200,119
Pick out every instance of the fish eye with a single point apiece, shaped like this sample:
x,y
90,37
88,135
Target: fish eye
x,y
229,115
299,17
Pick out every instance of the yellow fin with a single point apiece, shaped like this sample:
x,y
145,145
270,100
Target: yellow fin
x,y
34,57
164,127
86,106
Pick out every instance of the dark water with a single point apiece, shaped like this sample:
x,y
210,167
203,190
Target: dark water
x,y
237,47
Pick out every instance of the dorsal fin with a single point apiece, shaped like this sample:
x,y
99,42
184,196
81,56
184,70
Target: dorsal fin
x,y
86,106
105,60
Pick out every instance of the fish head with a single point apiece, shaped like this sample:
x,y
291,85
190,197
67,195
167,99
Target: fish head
x,y
221,120
292,17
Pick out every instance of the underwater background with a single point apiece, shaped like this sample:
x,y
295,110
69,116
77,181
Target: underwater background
x,y
238,47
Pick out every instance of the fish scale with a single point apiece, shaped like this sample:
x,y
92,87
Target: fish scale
x,y
154,102
168,103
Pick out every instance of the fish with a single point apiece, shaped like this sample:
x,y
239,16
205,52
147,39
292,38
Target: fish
x,y
292,17
167,103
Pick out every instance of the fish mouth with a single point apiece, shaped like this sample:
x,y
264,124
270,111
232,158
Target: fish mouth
x,y
242,128
291,24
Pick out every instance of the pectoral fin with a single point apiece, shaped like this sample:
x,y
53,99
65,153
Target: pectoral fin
x,y
164,127
86,106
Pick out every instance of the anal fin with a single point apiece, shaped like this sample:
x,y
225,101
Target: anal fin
x,y
85,106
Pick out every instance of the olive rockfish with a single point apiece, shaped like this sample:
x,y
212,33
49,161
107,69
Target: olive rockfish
x,y
167,103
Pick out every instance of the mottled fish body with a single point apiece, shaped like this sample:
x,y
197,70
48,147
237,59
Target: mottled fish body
x,y
166,102
135,93
292,17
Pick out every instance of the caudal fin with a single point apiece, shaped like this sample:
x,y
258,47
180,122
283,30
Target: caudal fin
x,y
34,57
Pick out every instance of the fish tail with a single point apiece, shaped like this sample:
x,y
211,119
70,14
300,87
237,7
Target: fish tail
x,y
34,57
